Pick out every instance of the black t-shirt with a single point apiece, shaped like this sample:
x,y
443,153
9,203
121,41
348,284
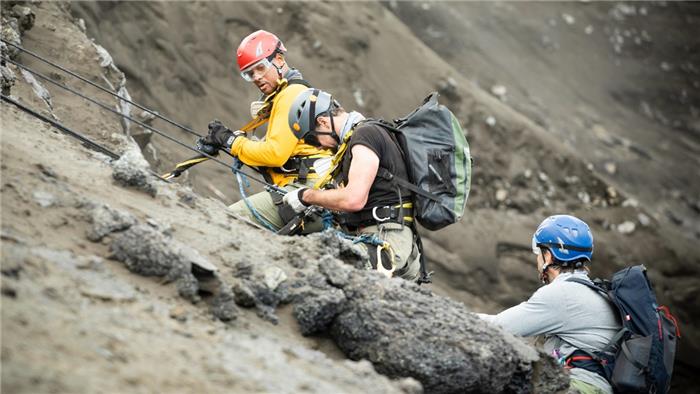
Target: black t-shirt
x,y
376,138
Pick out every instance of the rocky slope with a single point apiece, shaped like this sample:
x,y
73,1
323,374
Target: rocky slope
x,y
483,262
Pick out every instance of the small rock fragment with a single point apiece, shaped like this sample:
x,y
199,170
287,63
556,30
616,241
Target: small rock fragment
x,y
610,167
106,220
223,306
630,202
179,313
644,220
273,276
499,91
501,195
626,227
243,295
44,199
569,19
132,170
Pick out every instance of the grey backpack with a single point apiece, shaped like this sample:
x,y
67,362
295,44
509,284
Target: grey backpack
x,y
438,161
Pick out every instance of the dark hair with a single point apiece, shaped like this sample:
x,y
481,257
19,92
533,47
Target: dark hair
x,y
333,111
567,266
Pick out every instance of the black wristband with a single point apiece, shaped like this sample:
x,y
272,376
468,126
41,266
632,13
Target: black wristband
x,y
301,196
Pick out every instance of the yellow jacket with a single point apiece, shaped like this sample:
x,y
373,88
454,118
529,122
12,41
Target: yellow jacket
x,y
280,144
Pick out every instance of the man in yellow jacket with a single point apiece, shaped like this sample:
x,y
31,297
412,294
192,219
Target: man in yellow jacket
x,y
282,158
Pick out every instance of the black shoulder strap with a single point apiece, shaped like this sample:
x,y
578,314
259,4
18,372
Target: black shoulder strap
x,y
385,174
299,81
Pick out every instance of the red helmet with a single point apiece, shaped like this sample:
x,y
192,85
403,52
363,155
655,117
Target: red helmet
x,y
258,45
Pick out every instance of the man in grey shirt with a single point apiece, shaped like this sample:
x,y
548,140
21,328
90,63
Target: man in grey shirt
x,y
569,315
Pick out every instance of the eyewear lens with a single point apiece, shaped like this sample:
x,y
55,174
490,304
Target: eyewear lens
x,y
535,248
258,68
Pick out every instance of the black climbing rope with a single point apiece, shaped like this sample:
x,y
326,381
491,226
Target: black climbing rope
x,y
92,144
72,133
69,72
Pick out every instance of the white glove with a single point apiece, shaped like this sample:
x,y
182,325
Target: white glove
x,y
293,199
255,108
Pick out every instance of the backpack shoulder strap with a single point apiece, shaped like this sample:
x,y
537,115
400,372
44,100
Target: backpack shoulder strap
x,y
591,286
299,81
388,176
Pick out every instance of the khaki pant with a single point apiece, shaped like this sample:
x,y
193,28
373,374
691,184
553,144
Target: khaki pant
x,y
400,238
264,205
580,387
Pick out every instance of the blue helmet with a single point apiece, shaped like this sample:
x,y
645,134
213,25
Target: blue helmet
x,y
567,237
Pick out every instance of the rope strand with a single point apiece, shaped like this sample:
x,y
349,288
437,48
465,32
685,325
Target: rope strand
x,y
162,134
69,72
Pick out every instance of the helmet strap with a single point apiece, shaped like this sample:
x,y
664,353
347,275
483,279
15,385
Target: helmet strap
x,y
278,68
334,134
544,277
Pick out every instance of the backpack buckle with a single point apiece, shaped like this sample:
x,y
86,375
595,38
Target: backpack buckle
x,y
378,219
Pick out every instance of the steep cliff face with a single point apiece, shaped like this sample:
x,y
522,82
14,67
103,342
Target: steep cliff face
x,y
177,58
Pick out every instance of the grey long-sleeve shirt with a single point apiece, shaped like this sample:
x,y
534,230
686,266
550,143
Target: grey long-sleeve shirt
x,y
569,315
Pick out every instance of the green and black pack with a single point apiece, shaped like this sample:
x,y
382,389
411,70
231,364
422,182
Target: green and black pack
x,y
438,161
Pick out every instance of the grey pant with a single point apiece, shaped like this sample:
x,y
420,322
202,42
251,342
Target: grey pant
x,y
264,205
405,252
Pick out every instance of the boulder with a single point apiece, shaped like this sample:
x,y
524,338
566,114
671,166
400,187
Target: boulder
x,y
407,331
132,170
148,252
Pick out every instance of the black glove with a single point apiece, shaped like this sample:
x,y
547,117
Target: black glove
x,y
218,135
201,146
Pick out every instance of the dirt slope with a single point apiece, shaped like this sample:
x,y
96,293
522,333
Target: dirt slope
x,y
65,305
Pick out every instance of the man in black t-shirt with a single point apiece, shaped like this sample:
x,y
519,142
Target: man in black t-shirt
x,y
367,203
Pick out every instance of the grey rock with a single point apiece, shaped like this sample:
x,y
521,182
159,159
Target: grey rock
x,y
7,78
626,227
334,270
405,330
315,310
132,170
644,220
39,89
25,17
263,286
44,199
273,276
9,31
330,243
243,295
106,220
224,306
243,270
148,252
188,287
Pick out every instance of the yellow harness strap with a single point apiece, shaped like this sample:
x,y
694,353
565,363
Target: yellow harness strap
x,y
335,163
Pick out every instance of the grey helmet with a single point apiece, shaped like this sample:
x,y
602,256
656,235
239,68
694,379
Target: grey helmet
x,y
306,108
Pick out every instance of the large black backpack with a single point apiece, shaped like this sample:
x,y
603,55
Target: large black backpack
x,y
438,162
640,357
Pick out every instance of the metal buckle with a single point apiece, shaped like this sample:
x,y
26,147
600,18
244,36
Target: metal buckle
x,y
378,219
